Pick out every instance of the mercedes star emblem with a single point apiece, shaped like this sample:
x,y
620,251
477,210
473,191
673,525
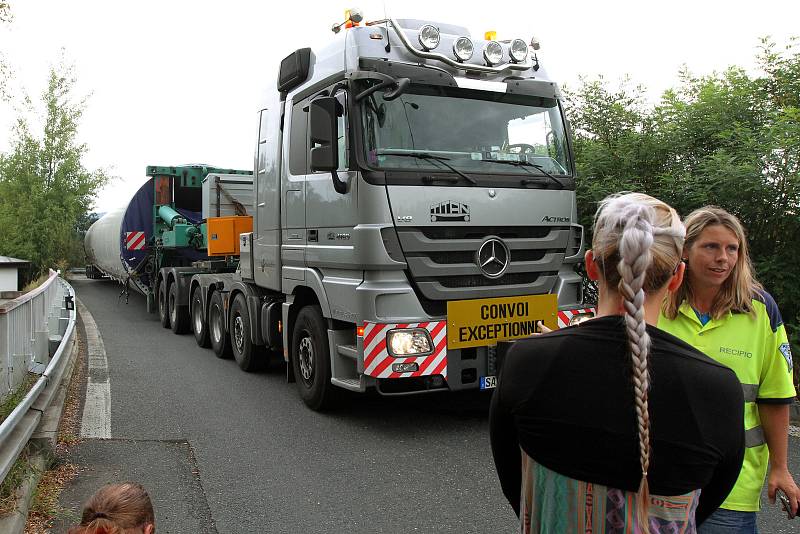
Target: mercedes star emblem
x,y
493,257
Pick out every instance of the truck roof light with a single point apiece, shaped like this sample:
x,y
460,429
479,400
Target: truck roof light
x,y
355,15
518,50
463,49
352,17
491,35
429,37
493,53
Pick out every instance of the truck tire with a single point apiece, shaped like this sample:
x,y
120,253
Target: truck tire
x,y
178,314
199,319
220,342
161,302
311,360
249,356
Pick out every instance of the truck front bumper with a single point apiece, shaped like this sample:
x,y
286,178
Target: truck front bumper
x,y
442,369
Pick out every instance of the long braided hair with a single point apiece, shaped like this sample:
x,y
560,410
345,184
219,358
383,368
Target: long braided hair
x,y
637,246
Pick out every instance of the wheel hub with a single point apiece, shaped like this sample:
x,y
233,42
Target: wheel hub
x,y
306,358
238,333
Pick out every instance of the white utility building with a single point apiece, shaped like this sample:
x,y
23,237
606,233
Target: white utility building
x,y
10,272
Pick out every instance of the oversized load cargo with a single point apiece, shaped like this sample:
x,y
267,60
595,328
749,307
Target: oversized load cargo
x,y
117,242
162,224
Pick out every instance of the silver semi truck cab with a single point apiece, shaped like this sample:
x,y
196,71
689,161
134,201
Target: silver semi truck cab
x,y
414,211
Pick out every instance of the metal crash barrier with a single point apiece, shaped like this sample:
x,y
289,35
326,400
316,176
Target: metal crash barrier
x,y
36,336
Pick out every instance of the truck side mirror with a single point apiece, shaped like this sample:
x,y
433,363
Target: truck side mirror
x,y
324,134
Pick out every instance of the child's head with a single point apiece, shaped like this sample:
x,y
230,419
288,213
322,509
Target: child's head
x,y
117,509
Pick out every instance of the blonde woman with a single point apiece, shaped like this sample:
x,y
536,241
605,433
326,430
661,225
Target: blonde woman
x,y
722,310
613,425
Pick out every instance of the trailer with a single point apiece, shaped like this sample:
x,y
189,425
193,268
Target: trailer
x,y
411,212
165,226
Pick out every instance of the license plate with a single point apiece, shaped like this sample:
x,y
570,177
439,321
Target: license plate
x,y
482,322
488,382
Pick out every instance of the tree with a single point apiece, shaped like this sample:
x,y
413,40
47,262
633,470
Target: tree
x,y
5,71
45,190
728,139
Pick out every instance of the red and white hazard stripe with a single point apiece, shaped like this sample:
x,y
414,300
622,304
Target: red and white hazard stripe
x,y
378,362
134,240
564,316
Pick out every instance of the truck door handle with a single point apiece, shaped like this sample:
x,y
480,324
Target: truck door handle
x,y
313,235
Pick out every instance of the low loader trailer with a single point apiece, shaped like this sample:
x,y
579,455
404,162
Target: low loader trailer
x,y
410,213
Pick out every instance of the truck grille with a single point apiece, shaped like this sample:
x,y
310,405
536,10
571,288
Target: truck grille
x,y
442,260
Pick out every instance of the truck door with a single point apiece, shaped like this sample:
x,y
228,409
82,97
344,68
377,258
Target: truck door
x,y
293,185
331,216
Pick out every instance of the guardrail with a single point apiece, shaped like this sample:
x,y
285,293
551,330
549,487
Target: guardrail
x,y
32,327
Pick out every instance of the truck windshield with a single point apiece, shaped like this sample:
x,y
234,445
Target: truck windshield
x,y
477,132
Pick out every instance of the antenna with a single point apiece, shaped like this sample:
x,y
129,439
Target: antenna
x,y
388,47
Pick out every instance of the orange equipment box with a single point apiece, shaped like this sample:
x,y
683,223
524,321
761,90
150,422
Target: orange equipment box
x,y
223,234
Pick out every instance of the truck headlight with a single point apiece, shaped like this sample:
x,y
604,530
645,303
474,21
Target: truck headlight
x,y
429,37
493,53
580,317
409,342
518,50
463,49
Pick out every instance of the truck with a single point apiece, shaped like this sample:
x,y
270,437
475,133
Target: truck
x,y
410,213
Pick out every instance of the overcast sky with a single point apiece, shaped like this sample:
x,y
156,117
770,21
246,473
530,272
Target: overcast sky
x,y
176,82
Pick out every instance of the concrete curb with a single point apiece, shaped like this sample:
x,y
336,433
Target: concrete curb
x,y
44,438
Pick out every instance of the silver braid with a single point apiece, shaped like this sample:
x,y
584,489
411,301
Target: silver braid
x,y
635,259
624,227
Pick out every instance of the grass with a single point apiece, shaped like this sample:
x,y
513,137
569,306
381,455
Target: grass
x,y
33,284
13,400
21,470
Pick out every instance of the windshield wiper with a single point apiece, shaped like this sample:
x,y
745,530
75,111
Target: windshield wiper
x,y
525,165
441,159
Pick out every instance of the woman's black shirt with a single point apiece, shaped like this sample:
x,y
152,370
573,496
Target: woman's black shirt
x,y
567,399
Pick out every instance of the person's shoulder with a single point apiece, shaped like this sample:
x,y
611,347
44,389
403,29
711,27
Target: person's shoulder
x,y
549,345
697,366
770,308
669,346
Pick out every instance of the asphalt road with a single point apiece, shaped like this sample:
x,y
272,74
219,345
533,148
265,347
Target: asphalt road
x,y
226,451
265,462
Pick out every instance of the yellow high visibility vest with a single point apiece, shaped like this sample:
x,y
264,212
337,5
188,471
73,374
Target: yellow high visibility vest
x,y
756,347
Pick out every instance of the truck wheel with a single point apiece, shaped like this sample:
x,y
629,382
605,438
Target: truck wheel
x,y
220,341
311,359
161,298
199,321
250,357
178,315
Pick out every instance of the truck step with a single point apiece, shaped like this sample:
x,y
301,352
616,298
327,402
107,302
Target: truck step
x,y
353,384
350,351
